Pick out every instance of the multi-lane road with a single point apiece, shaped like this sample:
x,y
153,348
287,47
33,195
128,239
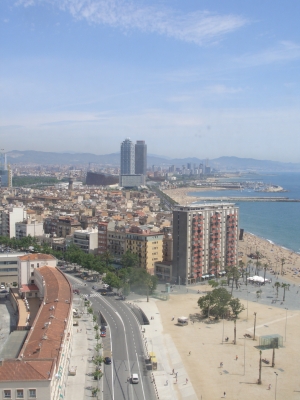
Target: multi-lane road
x,y
124,342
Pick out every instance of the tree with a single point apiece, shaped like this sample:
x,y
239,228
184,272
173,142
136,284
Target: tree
x,y
282,261
242,268
265,270
112,280
213,283
285,286
277,286
257,256
216,303
236,306
107,259
130,260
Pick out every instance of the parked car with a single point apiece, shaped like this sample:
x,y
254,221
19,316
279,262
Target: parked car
x,y
103,334
107,360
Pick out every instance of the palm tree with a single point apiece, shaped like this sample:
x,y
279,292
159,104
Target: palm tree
x,y
257,262
216,264
285,286
282,264
257,268
265,270
277,286
242,268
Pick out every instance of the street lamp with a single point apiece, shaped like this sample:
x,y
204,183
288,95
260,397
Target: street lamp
x,y
254,326
276,384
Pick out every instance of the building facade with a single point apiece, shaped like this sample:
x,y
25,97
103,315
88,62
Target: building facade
x,y
32,228
205,238
127,158
9,218
87,240
140,157
41,368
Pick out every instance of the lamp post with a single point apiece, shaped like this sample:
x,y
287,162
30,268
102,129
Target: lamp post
x,y
254,326
276,384
285,324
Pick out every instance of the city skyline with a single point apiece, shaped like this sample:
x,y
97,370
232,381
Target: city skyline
x,y
197,80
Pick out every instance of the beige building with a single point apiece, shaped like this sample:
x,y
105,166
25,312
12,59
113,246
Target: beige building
x,y
147,245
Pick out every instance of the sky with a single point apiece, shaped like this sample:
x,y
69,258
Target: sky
x,y
192,78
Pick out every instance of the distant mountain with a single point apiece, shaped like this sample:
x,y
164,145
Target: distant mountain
x,y
75,159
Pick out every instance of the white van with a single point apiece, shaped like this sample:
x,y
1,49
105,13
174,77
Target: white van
x,y
134,378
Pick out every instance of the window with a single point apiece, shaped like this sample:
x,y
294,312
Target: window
x,y
32,393
20,394
7,394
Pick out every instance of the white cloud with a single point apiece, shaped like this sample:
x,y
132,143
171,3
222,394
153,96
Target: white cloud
x,y
198,27
284,51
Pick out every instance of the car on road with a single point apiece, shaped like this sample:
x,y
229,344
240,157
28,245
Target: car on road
x,y
134,378
107,360
103,334
103,293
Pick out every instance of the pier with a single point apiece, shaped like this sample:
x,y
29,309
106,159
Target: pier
x,y
269,199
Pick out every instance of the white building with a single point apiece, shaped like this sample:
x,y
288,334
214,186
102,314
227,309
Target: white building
x,y
9,268
30,227
29,262
9,219
87,240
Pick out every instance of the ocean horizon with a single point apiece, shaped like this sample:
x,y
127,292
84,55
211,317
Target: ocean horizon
x,y
278,222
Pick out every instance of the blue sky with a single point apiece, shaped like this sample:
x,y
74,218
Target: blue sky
x,y
192,78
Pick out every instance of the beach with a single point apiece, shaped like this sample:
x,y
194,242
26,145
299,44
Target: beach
x,y
181,195
202,348
271,256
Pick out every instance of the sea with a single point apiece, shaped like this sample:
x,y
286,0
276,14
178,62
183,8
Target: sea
x,y
278,222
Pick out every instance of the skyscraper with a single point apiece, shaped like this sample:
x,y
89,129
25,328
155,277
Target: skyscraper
x,y
140,157
204,240
127,158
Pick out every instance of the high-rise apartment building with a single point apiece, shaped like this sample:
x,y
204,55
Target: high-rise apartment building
x,y
127,158
204,240
140,157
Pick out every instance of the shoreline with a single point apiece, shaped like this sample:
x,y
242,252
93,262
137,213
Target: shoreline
x,y
182,196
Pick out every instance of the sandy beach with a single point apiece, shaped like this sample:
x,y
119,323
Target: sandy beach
x,y
271,256
181,195
240,371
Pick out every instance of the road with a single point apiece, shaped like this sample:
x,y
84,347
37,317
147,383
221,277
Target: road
x,y
124,340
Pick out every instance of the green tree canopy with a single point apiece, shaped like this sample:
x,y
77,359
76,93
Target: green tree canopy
x,y
130,260
112,280
218,303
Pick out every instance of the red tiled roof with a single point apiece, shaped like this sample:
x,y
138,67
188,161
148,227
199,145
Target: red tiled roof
x,y
36,256
29,288
17,370
42,349
44,342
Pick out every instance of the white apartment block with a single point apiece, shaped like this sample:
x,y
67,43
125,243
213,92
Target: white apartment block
x,y
9,218
87,240
32,228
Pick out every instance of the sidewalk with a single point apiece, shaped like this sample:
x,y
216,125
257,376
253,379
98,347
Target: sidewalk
x,y
78,387
167,356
